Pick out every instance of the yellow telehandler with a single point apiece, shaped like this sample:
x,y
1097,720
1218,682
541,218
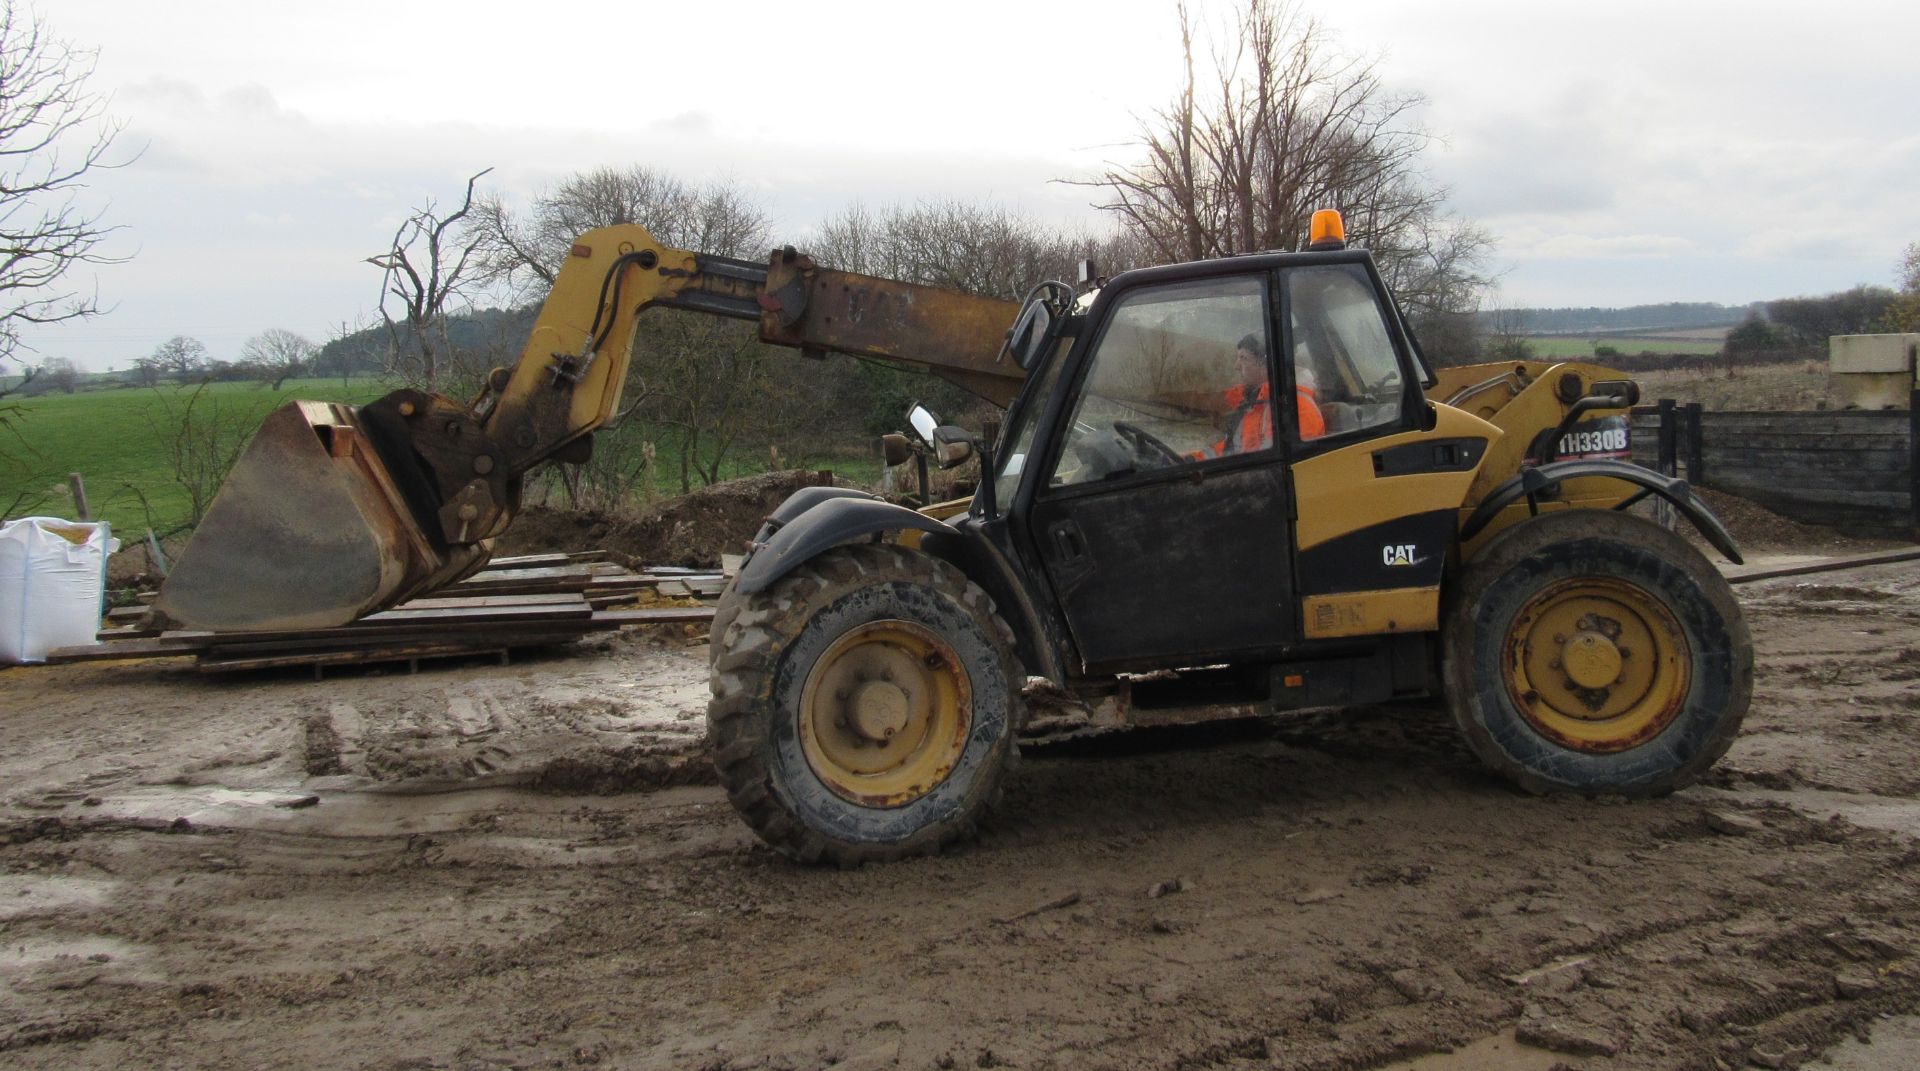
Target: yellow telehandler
x,y
1222,489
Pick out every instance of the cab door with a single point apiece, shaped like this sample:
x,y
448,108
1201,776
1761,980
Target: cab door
x,y
1163,524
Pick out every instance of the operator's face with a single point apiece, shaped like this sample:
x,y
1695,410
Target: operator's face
x,y
1253,370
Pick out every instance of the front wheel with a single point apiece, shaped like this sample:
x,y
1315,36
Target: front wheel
x,y
864,706
1596,652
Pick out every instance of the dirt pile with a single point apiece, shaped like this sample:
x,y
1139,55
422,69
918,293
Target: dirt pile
x,y
1755,527
692,530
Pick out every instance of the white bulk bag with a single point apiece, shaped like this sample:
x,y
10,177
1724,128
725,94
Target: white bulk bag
x,y
53,574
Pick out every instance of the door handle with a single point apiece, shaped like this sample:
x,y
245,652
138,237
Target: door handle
x,y
1068,542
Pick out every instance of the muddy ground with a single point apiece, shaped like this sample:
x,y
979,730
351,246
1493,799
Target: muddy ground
x,y
485,866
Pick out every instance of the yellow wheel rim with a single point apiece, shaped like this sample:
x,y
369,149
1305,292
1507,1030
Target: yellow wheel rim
x,y
885,713
1597,665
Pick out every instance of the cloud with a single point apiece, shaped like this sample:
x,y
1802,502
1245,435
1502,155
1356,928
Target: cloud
x,y
1610,247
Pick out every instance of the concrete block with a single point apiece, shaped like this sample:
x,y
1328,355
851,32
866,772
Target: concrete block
x,y
1854,354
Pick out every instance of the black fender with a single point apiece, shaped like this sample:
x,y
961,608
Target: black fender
x,y
800,502
1530,482
827,520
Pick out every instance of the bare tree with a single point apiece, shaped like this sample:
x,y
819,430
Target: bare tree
x,y
59,373
277,354
1275,125
1903,313
52,134
200,440
427,265
978,248
699,384
180,357
523,251
1506,334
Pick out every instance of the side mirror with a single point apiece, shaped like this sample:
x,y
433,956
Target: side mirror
x,y
951,445
923,421
895,449
1028,333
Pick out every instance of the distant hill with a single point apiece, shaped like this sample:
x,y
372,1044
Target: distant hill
x,y
477,330
1597,321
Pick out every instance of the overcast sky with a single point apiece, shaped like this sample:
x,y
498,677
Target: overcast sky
x,y
1620,153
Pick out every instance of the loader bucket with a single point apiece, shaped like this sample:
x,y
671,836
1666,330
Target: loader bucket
x,y
308,531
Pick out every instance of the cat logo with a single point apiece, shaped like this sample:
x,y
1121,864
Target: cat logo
x,y
1400,554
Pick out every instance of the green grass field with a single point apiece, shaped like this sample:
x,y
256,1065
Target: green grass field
x,y
1570,347
117,441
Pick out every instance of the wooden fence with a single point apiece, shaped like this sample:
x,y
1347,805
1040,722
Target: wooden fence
x,y
1852,469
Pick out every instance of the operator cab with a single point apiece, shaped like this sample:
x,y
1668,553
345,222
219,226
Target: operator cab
x,y
1146,472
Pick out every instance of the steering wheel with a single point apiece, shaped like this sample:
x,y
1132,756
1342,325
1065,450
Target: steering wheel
x,y
1143,444
1384,389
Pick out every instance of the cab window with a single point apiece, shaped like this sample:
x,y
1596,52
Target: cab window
x,y
1344,361
1179,376
1013,458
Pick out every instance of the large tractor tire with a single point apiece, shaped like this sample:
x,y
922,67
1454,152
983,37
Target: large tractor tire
x,y
864,706
1594,652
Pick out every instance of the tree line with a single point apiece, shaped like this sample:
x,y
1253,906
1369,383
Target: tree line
x,y
1271,121
1800,326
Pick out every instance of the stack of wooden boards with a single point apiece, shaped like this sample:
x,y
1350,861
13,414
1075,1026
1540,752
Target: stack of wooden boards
x,y
529,601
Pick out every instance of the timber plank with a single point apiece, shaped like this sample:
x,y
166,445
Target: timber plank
x,y
433,615
460,602
652,615
550,579
157,647
525,561
320,659
378,631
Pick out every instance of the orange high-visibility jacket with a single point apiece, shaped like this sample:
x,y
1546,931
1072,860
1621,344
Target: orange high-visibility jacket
x,y
1250,429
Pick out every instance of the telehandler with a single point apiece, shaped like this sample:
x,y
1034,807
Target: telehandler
x,y
1221,489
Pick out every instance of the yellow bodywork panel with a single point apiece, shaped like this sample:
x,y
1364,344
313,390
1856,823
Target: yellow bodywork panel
x,y
1370,613
1524,398
1338,492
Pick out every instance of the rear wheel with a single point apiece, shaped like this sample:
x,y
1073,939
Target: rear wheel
x,y
864,706
1596,652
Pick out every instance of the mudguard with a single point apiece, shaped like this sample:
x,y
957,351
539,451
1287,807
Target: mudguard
x,y
827,521
803,500
1531,481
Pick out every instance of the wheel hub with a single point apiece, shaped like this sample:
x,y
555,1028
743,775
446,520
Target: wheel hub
x,y
1597,664
1591,659
885,713
877,711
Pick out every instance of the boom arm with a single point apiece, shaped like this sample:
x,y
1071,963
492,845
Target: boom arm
x,y
333,513
568,379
